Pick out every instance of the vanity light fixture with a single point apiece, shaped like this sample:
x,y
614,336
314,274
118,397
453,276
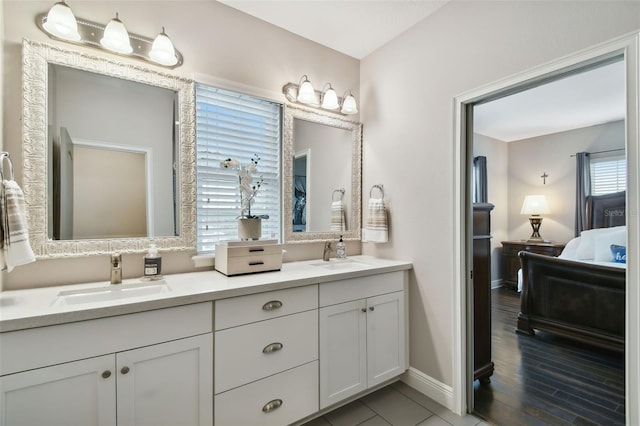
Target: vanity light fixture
x,y
535,205
116,37
304,93
61,24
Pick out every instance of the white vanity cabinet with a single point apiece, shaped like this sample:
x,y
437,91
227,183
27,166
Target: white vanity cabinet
x,y
266,357
149,368
363,328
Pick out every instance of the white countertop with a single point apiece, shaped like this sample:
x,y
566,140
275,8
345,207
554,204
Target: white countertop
x,y
22,309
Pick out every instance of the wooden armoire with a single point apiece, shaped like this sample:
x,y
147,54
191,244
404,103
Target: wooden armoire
x,y
482,364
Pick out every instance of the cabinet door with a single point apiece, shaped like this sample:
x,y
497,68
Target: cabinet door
x,y
386,356
343,346
167,384
79,393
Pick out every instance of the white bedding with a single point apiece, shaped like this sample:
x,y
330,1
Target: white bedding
x,y
593,247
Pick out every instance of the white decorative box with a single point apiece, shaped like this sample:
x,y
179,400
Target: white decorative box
x,y
247,257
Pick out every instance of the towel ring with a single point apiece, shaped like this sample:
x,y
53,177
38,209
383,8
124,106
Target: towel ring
x,y
379,187
340,192
5,156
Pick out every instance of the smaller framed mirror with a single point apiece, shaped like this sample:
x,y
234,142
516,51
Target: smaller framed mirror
x,y
322,170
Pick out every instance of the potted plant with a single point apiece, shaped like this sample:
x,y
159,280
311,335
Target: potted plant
x,y
249,225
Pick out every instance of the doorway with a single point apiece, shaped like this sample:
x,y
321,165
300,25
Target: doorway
x,y
464,137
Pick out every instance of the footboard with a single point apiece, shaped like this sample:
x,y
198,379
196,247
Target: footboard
x,y
577,300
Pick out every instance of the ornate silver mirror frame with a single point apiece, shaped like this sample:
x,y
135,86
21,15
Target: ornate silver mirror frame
x,y
35,59
354,213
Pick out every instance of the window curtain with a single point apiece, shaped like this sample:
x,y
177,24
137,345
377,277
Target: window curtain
x,y
480,179
583,189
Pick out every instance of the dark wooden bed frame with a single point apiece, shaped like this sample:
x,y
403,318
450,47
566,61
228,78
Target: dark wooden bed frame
x,y
576,300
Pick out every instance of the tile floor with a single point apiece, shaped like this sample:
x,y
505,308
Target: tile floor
x,y
395,405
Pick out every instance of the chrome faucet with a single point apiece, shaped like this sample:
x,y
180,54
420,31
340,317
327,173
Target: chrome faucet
x,y
326,254
116,268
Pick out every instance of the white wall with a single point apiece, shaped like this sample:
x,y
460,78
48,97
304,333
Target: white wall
x,y
530,158
407,92
497,155
216,41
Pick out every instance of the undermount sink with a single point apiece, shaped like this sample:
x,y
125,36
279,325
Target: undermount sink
x,y
339,264
111,292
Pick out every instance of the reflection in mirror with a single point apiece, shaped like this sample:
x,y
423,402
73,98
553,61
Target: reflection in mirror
x,y
322,170
109,155
104,121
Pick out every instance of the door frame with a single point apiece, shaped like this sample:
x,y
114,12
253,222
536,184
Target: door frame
x,y
629,47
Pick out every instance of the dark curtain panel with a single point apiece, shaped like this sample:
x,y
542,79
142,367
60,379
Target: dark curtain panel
x,y
583,189
480,180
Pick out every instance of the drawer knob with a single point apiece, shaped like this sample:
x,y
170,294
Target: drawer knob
x,y
372,308
272,405
273,347
270,306
106,374
364,310
124,370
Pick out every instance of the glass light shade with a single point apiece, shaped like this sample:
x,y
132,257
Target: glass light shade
x,y
116,37
61,22
349,105
306,94
535,204
162,50
330,99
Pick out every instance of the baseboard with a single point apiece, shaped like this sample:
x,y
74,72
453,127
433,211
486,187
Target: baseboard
x,y
438,391
497,283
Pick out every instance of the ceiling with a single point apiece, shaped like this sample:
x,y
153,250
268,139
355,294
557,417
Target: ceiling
x,y
358,27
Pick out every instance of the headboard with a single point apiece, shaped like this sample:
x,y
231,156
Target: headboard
x,y
606,211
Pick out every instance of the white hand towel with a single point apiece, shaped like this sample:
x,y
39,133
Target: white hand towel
x,y
338,217
15,232
377,229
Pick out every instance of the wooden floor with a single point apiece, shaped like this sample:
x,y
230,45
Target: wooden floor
x,y
547,380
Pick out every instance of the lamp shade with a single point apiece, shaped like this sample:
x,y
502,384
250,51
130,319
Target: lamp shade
x,y
535,205
330,99
306,94
349,105
62,23
116,37
162,50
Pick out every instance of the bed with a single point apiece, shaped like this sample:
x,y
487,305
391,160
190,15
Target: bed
x,y
581,294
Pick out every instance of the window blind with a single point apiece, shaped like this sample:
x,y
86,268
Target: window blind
x,y
234,125
608,175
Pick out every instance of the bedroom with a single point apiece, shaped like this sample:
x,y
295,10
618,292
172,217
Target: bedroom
x,y
527,155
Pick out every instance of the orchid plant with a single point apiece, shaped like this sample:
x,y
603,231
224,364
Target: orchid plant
x,y
248,188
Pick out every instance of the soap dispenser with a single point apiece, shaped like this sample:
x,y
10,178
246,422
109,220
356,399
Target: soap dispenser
x,y
152,264
341,249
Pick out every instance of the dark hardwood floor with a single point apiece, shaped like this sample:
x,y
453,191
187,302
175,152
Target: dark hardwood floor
x,y
547,380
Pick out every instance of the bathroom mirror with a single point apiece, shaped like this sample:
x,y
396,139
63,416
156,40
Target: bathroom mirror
x,y
127,135
322,169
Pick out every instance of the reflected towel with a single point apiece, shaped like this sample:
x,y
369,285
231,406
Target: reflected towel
x,y
338,216
14,231
377,229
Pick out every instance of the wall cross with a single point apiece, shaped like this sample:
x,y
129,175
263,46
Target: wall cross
x,y
544,178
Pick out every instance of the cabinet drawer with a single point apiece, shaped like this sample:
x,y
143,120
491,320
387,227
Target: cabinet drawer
x,y
241,310
292,395
251,352
360,288
38,347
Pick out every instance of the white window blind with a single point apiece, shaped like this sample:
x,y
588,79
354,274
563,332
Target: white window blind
x,y
234,125
608,175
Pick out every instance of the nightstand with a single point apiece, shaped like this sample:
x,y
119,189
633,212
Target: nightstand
x,y
511,261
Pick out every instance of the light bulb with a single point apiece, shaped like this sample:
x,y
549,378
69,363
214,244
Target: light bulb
x,y
306,94
330,99
349,105
163,51
61,23
116,37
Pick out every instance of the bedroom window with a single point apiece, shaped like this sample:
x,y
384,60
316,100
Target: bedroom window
x,y
608,175
231,124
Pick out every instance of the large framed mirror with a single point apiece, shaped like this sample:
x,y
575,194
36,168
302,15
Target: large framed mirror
x,y
108,155
322,170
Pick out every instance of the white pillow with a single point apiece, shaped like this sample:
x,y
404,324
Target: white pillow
x,y
569,251
603,244
586,250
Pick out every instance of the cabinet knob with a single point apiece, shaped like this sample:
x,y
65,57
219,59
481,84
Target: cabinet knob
x,y
273,304
364,310
273,347
371,308
124,370
106,374
272,405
